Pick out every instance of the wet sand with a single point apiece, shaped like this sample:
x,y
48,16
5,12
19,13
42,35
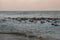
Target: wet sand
x,y
15,37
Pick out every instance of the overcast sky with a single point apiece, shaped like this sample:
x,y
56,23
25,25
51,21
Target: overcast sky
x,y
29,5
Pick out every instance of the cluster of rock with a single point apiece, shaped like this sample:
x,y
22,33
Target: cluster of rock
x,y
53,21
36,19
42,20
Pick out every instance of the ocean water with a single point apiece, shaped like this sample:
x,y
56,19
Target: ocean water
x,y
45,29
55,14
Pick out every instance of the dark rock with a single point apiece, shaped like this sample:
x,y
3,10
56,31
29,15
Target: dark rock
x,y
48,20
42,18
54,24
13,18
41,38
32,36
34,18
18,19
15,33
42,21
56,21
3,20
31,21
53,19
9,17
24,19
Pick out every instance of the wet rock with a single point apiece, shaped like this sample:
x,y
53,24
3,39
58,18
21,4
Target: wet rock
x,y
56,21
31,21
53,19
32,36
3,20
24,19
42,21
42,18
48,20
41,38
9,17
13,18
54,24
21,34
18,19
34,18
15,33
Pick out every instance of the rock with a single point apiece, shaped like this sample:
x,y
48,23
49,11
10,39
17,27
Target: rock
x,y
13,18
42,21
41,38
56,21
15,33
18,19
42,18
3,20
48,20
9,17
31,21
24,19
54,24
32,36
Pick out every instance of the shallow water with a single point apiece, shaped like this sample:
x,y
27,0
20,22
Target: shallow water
x,y
45,29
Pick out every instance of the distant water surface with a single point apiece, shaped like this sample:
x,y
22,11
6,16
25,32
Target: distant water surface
x,y
30,14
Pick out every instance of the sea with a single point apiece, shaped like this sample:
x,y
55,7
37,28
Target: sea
x,y
45,29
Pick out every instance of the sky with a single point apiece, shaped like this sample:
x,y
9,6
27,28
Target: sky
x,y
29,5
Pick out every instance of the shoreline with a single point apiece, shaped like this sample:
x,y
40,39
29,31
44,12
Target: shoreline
x,y
29,19
19,37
